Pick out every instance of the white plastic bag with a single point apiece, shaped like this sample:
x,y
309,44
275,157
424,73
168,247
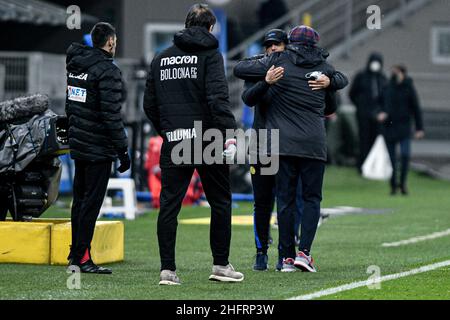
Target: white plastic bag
x,y
377,165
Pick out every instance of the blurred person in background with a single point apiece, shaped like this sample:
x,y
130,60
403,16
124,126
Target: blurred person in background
x,y
400,108
297,111
187,84
195,189
153,168
366,94
97,137
342,137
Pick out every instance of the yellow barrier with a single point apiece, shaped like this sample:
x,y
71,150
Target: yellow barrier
x,y
107,245
236,221
47,242
23,242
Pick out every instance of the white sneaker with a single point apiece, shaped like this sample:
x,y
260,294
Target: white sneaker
x,y
304,262
288,265
225,274
169,278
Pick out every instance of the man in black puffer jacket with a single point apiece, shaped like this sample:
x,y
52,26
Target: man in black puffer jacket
x,y
298,112
186,85
97,136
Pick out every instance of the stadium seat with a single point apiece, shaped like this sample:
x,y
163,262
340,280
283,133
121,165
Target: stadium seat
x,y
128,189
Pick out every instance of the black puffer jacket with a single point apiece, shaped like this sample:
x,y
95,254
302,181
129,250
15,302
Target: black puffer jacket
x,y
94,97
187,83
296,110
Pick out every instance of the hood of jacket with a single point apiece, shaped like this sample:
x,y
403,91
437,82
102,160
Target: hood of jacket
x,y
306,56
81,57
195,39
375,57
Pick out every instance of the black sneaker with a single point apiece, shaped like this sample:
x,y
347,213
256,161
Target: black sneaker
x,y
279,265
91,267
261,263
404,191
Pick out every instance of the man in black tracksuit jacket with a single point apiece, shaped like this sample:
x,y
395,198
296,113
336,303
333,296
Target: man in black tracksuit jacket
x,y
97,136
186,85
298,112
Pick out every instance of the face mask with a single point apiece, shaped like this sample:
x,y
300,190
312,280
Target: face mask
x,y
396,77
375,66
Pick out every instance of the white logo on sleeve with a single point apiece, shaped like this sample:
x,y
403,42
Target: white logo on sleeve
x,y
181,134
82,76
76,94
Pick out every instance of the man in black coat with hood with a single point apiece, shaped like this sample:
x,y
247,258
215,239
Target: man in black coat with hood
x,y
298,113
186,86
97,137
256,95
366,94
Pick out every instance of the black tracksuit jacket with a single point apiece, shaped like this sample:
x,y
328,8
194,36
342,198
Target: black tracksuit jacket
x,y
187,83
94,98
254,95
296,110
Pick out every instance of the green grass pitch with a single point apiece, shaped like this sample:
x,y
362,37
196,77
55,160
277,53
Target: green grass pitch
x,y
344,248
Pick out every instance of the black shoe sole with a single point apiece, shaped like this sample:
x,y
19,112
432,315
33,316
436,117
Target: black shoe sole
x,y
97,272
91,269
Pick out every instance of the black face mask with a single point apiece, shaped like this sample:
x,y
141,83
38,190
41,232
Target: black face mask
x,y
395,78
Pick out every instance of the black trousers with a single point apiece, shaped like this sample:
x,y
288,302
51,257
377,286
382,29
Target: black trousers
x,y
307,173
216,184
3,208
4,201
89,189
368,132
264,200
405,155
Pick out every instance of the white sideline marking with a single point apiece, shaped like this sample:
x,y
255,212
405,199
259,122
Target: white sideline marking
x,y
418,239
364,283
